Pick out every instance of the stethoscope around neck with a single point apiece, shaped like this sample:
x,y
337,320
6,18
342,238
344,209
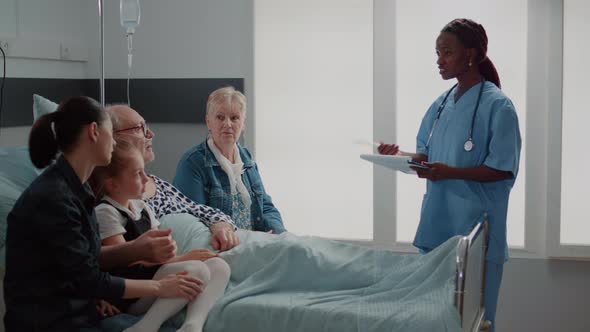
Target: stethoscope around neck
x,y
468,145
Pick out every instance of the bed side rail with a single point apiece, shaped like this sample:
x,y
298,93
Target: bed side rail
x,y
470,275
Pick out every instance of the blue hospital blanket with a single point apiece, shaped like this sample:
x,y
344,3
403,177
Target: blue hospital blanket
x,y
297,283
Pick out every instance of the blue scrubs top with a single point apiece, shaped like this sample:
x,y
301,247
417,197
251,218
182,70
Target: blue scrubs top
x,y
451,207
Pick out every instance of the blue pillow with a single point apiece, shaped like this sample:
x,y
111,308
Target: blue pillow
x,y
16,174
9,193
188,232
42,106
16,165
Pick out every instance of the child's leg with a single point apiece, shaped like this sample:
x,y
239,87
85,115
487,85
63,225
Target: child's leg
x,y
197,310
164,308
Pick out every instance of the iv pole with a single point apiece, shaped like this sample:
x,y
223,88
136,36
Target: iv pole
x,y
101,16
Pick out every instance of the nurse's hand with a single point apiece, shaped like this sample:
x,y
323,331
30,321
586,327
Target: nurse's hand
x,y
437,171
391,149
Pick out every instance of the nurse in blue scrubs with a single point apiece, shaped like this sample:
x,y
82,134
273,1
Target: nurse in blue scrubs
x,y
470,139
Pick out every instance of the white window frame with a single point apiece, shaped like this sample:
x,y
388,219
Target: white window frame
x,y
544,98
555,248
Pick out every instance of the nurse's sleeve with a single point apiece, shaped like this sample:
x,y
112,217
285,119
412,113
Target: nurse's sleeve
x,y
505,141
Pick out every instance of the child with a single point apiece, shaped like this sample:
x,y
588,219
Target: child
x,y
123,216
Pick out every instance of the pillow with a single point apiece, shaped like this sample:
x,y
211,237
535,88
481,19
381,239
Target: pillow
x,y
188,232
9,193
42,106
16,165
16,174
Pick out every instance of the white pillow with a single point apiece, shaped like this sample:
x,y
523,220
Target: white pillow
x,y
42,106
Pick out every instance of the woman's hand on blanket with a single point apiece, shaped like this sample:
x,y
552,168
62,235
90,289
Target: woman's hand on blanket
x,y
106,309
200,254
156,246
180,285
223,236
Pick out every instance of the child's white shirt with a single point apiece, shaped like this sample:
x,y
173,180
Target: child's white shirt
x,y
110,220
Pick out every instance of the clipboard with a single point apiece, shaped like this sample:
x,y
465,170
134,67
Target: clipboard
x,y
397,163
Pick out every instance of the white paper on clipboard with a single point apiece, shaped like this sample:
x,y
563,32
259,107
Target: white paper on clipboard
x,y
398,163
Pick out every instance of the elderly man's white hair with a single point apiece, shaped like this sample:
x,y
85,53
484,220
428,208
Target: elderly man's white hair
x,y
111,109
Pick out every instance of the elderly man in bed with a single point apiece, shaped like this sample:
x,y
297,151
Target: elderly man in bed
x,y
163,197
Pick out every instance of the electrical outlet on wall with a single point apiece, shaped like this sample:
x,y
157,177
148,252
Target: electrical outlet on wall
x,y
64,52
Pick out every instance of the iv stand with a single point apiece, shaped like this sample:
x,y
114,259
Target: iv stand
x,y
101,16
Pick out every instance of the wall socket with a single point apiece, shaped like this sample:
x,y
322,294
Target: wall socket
x,y
4,44
64,52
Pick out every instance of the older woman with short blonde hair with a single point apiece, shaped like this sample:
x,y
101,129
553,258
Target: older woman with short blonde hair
x,y
221,173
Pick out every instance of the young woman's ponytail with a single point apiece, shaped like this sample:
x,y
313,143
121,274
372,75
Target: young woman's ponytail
x,y
60,130
42,141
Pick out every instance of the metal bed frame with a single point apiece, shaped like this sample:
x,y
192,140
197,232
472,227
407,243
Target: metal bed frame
x,y
470,278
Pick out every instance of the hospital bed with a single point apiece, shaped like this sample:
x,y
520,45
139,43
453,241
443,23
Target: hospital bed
x,y
332,295
294,283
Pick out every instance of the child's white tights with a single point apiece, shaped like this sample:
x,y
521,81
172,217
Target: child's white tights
x,y
213,272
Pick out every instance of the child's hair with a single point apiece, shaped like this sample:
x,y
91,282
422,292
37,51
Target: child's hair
x,y
121,154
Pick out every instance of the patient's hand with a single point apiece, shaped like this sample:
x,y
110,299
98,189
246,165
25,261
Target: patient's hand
x,y
223,236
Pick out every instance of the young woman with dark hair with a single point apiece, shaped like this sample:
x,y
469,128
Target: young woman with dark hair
x,y
53,280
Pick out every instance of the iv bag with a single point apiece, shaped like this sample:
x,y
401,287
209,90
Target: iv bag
x,y
130,15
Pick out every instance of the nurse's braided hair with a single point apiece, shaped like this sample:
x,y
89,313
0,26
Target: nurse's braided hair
x,y
472,35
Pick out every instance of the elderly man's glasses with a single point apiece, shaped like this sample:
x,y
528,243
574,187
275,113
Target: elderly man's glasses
x,y
141,128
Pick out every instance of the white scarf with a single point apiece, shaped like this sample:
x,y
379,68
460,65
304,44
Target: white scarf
x,y
234,171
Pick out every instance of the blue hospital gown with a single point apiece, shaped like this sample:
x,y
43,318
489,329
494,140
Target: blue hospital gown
x,y
451,207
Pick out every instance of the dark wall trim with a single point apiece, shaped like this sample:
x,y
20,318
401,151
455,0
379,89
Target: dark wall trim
x,y
163,100
17,109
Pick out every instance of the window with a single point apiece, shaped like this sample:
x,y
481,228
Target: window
x,y
313,77
574,228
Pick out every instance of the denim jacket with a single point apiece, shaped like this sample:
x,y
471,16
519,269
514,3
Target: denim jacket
x,y
200,177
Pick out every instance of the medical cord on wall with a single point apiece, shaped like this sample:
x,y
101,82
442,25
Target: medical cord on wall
x,y
2,85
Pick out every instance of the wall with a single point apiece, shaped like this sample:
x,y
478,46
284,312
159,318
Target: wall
x,y
544,295
37,27
189,39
